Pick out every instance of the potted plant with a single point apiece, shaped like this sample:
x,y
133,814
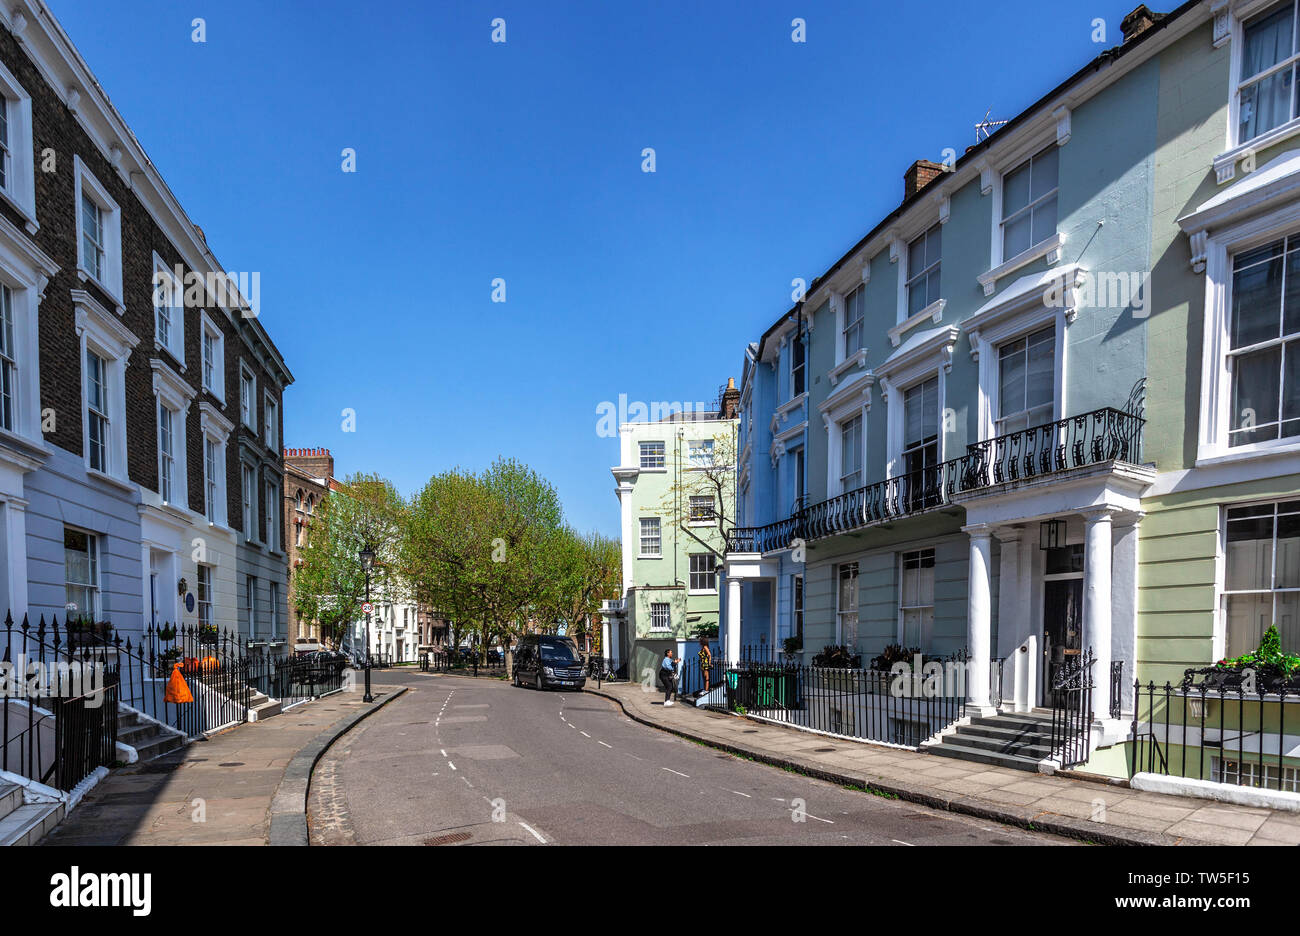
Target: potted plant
x,y
207,634
167,633
792,646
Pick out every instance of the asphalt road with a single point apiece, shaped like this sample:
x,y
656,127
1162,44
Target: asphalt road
x,y
465,761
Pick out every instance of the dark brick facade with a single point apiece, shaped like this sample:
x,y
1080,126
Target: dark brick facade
x,y
56,128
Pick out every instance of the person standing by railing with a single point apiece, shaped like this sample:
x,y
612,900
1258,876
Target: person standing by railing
x,y
668,676
705,661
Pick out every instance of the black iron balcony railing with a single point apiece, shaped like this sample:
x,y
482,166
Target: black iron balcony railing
x,y
1093,438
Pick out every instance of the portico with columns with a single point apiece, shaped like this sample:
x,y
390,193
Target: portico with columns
x,y
1066,571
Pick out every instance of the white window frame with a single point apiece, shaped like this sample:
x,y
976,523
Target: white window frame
x,y
247,402
667,612
903,608
1222,592
101,331
271,491
1232,29
842,332
20,180
691,504
25,269
270,421
169,307
907,278
853,398
642,537
840,429
208,329
841,614
693,575
111,281
1017,312
999,222
175,395
249,499
250,599
929,355
203,585
1222,239
273,602
995,170
215,428
1000,418
95,562
661,456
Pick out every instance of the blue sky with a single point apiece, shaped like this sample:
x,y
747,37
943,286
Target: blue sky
x,y
522,161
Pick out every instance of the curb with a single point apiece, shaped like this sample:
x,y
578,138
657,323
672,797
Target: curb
x,y
1020,817
289,804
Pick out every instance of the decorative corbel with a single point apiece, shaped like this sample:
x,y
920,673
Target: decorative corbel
x,y
895,245
1198,240
986,177
945,208
1062,116
866,270
74,99
1222,22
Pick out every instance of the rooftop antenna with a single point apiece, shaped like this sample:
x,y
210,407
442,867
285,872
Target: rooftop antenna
x,y
984,129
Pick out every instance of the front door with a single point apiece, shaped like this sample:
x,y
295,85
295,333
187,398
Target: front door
x,y
1062,627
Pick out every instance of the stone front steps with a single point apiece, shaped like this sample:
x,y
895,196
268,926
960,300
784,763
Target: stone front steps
x,y
147,738
1021,741
23,823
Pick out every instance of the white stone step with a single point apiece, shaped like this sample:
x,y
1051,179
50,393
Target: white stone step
x,y
11,797
29,823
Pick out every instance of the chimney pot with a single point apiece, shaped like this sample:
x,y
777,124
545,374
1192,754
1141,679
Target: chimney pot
x,y
1138,22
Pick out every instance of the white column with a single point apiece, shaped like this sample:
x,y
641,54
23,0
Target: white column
x,y
1123,601
631,544
1096,605
1013,624
979,622
732,647
16,552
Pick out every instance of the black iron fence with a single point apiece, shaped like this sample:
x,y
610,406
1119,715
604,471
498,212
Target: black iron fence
x,y
1072,710
1092,438
463,664
58,715
896,706
1234,731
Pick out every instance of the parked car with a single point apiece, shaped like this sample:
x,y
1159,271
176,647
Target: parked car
x,y
544,661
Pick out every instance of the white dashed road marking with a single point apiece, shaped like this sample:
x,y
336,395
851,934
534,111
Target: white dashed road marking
x,y
678,772
537,835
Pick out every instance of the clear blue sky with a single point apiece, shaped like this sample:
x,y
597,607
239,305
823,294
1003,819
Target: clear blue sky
x,y
523,161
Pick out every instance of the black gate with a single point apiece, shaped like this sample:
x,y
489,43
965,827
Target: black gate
x,y
1072,710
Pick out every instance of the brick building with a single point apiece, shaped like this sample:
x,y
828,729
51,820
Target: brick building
x,y
308,479
140,395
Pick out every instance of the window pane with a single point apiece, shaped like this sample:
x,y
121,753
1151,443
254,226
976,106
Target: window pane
x,y
1016,236
1011,390
1291,305
1041,377
1044,171
1257,298
1255,396
1248,616
1291,389
1015,190
1044,220
1267,41
1288,551
1265,104
1249,553
1286,615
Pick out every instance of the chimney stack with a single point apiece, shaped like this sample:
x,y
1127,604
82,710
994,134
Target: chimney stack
x,y
730,399
316,462
919,175
1138,22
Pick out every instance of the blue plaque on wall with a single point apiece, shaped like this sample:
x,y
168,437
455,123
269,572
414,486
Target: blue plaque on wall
x,y
189,601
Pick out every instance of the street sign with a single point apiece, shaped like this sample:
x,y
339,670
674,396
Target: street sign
x,y
366,608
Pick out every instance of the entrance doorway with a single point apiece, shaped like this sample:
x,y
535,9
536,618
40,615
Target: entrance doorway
x,y
1062,613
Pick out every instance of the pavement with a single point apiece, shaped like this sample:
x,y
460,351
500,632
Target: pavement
x,y
243,786
1106,813
459,760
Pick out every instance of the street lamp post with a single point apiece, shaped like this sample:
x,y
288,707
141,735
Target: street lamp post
x,y
367,560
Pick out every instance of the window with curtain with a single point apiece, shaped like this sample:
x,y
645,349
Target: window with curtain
x,y
846,604
916,598
854,316
1264,344
1026,381
923,255
851,454
1266,86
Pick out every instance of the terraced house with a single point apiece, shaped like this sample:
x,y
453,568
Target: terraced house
x,y
1046,413
140,457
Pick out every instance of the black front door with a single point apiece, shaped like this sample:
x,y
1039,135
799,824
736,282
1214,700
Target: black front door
x,y
1062,627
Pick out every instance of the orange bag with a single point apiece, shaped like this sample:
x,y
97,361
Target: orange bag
x,y
177,690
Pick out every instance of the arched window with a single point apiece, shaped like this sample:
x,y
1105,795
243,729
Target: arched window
x,y
298,500
311,503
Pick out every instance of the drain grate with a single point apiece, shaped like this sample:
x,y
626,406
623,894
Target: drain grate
x,y
450,839
824,750
232,764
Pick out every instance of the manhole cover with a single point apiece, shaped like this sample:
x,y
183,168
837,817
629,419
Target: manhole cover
x,y
450,839
232,764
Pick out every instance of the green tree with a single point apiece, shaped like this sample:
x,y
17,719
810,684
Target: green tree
x,y
330,585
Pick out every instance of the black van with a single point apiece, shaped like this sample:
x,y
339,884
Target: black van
x,y
543,661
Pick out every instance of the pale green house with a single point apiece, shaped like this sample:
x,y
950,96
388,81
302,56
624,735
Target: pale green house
x,y
676,490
